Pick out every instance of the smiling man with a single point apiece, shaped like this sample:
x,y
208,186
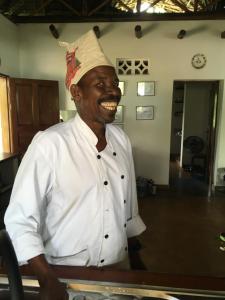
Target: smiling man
x,y
74,198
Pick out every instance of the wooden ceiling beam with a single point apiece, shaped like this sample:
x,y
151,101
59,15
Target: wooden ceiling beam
x,y
124,5
41,7
15,6
155,2
203,7
121,17
70,7
206,3
84,8
181,5
98,7
196,5
211,4
138,6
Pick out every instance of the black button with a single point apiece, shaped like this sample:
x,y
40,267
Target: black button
x,y
125,225
105,182
106,236
125,201
102,261
122,176
98,156
125,248
114,153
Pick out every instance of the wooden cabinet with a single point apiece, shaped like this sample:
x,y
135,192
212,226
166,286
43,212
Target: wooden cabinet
x,y
8,169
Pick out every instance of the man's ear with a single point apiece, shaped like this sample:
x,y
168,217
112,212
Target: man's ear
x,y
75,92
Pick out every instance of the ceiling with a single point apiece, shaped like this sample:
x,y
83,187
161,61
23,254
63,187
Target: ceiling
x,y
65,11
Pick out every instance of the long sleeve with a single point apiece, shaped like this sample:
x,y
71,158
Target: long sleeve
x,y
27,204
135,225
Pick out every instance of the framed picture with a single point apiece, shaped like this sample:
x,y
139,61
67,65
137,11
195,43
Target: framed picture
x,y
119,114
122,87
146,88
144,112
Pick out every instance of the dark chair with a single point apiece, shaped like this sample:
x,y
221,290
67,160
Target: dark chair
x,y
11,266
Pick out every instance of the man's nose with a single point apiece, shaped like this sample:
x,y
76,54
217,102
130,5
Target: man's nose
x,y
114,89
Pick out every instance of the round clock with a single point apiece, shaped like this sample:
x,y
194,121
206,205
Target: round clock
x,y
198,61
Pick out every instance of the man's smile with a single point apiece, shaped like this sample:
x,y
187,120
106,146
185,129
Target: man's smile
x,y
109,105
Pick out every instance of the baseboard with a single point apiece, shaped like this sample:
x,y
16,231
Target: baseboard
x,y
219,188
163,187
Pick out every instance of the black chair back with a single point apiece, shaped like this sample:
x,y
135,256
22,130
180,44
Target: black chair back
x,y
11,265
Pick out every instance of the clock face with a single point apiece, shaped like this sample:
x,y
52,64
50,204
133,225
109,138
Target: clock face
x,y
198,61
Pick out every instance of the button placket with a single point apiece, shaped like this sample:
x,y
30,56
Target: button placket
x,y
106,208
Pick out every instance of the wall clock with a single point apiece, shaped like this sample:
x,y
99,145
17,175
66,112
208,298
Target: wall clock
x,y
198,61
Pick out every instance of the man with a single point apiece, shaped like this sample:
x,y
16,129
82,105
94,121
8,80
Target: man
x,y
74,198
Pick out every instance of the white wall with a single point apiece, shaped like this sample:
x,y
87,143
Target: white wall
x,y
170,59
9,47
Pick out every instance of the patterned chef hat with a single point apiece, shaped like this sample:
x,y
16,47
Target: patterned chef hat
x,y
83,55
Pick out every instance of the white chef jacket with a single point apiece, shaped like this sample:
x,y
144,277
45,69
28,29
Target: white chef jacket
x,y
72,203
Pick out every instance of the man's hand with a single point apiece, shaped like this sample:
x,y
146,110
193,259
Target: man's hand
x,y
50,287
53,289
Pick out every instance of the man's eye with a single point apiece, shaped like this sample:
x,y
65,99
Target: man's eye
x,y
100,84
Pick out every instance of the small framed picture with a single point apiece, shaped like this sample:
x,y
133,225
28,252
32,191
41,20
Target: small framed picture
x,y
122,87
146,88
119,114
144,112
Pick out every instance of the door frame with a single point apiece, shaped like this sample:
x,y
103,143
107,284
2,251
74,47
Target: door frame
x,y
214,129
4,111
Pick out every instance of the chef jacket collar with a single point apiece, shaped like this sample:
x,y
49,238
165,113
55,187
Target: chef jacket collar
x,y
88,133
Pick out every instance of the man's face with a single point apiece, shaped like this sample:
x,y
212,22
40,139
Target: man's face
x,y
97,95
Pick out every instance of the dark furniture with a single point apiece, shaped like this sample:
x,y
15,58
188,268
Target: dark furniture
x,y
8,168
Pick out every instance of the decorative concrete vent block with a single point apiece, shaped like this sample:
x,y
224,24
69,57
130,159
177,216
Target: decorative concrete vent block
x,y
125,66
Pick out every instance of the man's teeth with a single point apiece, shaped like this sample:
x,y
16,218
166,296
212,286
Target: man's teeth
x,y
109,105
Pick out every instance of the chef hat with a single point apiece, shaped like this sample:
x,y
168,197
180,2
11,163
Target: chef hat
x,y
83,55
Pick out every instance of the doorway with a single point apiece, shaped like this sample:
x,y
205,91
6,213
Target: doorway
x,y
193,125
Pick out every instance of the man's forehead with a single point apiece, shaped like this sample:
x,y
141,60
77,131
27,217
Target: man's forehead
x,y
100,72
103,71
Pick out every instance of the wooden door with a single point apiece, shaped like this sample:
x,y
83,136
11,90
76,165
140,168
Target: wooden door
x,y
34,106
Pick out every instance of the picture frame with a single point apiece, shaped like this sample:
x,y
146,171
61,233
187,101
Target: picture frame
x,y
146,88
119,114
122,87
145,112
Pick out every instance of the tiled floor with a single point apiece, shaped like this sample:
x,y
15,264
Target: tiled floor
x,y
183,228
